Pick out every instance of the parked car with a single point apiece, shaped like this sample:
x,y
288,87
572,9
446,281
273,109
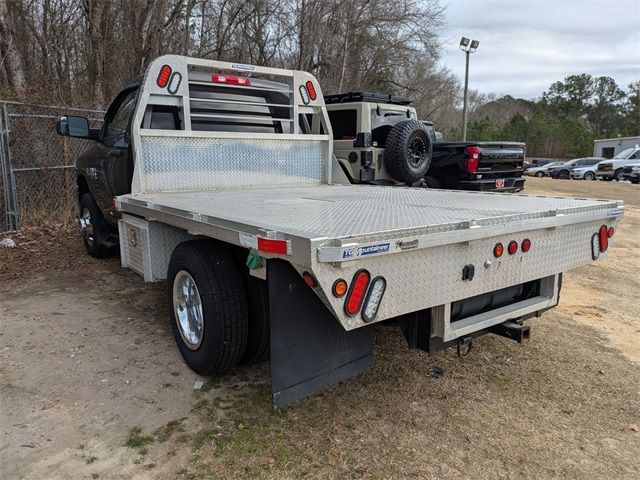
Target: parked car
x,y
378,140
631,173
541,171
537,162
564,171
584,173
612,169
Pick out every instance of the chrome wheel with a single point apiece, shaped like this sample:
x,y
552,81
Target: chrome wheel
x,y
187,308
86,226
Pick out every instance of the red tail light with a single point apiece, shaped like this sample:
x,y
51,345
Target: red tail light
x,y
512,248
610,232
311,89
356,293
526,245
603,235
309,279
473,158
230,79
163,76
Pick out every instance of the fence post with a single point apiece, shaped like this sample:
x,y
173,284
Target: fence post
x,y
8,178
11,206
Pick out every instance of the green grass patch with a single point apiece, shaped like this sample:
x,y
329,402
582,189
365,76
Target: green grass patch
x,y
136,439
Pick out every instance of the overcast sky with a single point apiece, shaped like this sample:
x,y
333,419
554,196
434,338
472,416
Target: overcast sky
x,y
527,45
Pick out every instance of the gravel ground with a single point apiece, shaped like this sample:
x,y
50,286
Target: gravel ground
x,y
92,386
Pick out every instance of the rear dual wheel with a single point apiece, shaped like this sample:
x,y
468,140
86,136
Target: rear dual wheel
x,y
217,316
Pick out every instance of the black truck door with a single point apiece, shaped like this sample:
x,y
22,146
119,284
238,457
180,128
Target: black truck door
x,y
115,163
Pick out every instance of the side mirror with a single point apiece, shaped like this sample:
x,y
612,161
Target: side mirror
x,y
72,126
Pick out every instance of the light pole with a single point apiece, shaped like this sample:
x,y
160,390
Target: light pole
x,y
467,46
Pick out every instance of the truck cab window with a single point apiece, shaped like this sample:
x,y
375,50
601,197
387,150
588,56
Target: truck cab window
x,y
118,123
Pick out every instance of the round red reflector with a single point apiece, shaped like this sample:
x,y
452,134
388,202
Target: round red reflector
x,y
309,279
339,288
513,247
610,232
355,297
498,250
526,245
311,89
163,76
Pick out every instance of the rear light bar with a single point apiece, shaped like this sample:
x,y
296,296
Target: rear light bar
x,y
526,245
355,296
473,159
498,250
512,248
230,79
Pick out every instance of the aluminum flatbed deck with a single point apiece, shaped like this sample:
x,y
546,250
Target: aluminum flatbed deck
x,y
331,216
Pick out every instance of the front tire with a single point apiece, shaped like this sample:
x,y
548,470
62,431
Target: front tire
x,y
589,176
207,306
539,174
94,228
563,175
617,176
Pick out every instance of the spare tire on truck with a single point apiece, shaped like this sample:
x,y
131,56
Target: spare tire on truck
x,y
408,152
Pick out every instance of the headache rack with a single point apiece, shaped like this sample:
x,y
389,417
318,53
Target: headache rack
x,y
205,125
350,97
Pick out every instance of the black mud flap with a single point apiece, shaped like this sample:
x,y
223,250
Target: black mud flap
x,y
310,350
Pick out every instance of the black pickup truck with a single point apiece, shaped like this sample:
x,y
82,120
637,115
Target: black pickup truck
x,y
379,140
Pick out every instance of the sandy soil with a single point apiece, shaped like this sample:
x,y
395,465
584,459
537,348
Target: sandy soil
x,y
92,386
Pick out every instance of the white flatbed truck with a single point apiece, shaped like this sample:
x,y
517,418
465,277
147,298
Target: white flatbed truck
x,y
248,177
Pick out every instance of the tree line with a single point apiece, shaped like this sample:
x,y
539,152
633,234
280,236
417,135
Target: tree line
x,y
81,52
565,121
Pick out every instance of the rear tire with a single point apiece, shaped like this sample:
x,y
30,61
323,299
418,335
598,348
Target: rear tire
x,y
563,174
94,228
221,340
257,296
617,176
539,174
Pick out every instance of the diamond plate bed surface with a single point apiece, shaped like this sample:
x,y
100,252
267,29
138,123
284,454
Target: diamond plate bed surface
x,y
340,211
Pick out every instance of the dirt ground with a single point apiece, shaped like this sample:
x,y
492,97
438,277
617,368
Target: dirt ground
x,y
92,386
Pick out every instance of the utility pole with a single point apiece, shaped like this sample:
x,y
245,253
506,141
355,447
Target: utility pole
x,y
468,47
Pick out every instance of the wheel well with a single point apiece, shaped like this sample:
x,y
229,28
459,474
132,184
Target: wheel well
x,y
83,187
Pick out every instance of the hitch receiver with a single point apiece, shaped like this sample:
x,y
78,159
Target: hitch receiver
x,y
512,330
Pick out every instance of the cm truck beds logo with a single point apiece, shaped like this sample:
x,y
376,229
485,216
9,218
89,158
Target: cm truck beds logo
x,y
368,250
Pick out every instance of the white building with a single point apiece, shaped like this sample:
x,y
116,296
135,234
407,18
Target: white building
x,y
609,147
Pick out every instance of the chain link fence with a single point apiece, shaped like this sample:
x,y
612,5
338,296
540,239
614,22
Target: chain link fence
x,y
37,165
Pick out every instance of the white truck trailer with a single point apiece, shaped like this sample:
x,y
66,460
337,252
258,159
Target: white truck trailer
x,y
246,176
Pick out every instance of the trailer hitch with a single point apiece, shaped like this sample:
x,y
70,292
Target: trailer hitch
x,y
514,331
